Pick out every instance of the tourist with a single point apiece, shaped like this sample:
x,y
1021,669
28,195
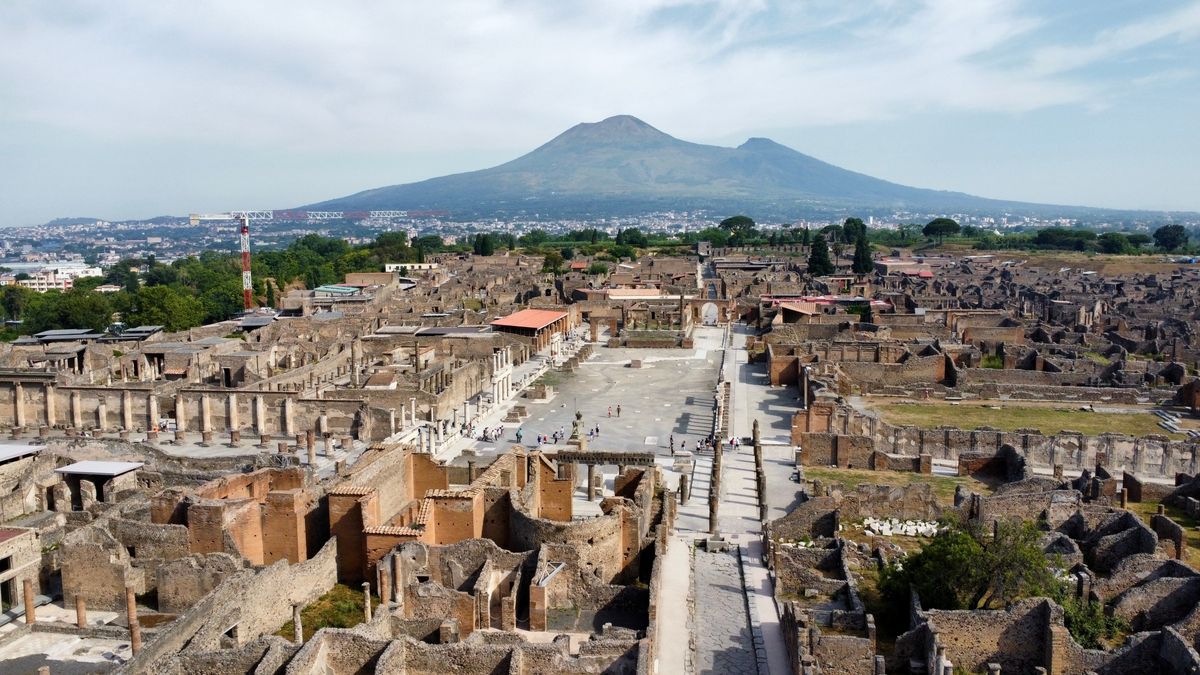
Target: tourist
x,y
610,411
618,410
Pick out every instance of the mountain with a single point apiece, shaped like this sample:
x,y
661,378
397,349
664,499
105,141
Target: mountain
x,y
622,165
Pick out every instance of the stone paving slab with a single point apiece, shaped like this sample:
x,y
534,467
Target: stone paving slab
x,y
724,638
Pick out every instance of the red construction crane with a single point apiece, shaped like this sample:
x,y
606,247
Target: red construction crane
x,y
244,239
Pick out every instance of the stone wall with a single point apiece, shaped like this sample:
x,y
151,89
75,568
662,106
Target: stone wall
x,y
1154,456
244,607
183,583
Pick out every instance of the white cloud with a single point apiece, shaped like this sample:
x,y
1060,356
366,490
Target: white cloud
x,y
474,72
488,75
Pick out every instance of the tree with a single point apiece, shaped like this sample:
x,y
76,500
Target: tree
x,y
1138,239
622,251
567,252
819,264
484,244
940,228
738,225
1170,237
863,264
597,268
964,567
852,229
167,307
1114,242
632,236
13,300
534,237
806,238
552,263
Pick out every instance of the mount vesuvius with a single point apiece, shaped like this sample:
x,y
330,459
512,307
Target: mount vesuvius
x,y
622,166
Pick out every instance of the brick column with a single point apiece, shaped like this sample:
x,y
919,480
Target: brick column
x,y
30,604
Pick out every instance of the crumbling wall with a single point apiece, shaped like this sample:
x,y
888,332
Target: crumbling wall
x,y
182,583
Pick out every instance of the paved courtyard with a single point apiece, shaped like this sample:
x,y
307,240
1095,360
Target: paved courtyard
x,y
670,394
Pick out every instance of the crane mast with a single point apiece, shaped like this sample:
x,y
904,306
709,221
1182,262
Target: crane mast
x,y
243,244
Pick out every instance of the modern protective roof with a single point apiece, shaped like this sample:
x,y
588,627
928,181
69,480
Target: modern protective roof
x,y
12,451
99,468
530,318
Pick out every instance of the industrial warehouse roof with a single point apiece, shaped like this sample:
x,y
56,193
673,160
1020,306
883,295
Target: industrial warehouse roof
x,y
530,318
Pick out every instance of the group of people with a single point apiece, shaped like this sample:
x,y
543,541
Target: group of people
x,y
557,437
488,434
704,444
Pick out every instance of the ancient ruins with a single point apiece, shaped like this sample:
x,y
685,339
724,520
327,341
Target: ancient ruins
x,y
692,463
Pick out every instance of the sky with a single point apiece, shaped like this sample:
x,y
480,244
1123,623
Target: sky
x,y
142,108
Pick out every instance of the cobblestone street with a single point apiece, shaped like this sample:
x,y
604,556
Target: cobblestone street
x,y
723,641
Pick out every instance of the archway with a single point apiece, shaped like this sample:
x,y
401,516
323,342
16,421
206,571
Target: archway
x,y
708,314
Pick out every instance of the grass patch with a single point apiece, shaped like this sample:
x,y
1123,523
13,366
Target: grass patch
x,y
849,479
1097,357
1191,536
473,304
1010,418
550,379
341,607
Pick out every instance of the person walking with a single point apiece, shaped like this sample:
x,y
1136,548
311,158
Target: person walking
x,y
618,410
610,411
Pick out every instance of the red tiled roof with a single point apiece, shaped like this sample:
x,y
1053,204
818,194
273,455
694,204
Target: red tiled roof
x,y
530,318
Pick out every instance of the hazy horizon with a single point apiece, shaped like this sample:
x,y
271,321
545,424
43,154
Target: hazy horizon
x,y
134,111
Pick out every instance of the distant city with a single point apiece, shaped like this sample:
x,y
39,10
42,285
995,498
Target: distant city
x,y
82,244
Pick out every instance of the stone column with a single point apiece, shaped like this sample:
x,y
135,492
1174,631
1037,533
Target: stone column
x,y
591,480
30,604
684,489
19,404
80,612
135,628
260,415
289,416
102,414
392,422
235,419
323,424
366,588
51,406
297,627
127,410
76,410
398,573
152,416
180,416
205,413
385,589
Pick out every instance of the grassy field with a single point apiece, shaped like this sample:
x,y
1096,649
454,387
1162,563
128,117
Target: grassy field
x,y
341,607
1011,418
943,486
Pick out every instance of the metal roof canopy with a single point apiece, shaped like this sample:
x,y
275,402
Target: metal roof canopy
x,y
535,319
100,468
12,451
